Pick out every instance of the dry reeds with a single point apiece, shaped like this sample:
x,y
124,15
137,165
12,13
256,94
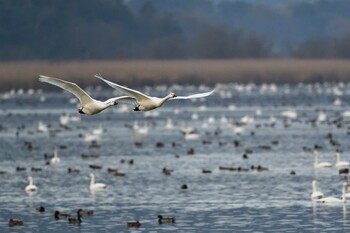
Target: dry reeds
x,y
138,72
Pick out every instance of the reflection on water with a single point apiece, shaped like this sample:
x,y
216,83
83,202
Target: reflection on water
x,y
234,197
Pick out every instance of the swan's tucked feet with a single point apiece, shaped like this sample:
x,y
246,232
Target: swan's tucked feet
x,y
80,110
137,108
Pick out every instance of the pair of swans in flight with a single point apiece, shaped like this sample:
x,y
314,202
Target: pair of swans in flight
x,y
140,101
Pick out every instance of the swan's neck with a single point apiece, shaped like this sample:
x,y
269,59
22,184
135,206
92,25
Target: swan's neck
x,y
338,157
30,182
106,104
316,158
111,103
166,98
343,196
92,181
55,153
314,188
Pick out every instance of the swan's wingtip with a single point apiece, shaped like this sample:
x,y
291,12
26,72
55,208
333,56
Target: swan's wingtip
x,y
43,77
98,76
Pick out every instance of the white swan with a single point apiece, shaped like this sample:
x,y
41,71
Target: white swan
x,y
89,105
143,102
291,113
95,186
55,159
322,117
315,194
98,131
41,128
322,164
341,163
30,187
334,200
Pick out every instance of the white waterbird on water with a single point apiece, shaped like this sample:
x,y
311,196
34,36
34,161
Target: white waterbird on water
x,y
334,200
144,102
88,105
30,187
341,163
95,186
55,159
320,164
315,194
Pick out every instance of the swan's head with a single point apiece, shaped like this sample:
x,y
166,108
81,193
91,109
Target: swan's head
x,y
80,110
172,95
315,152
92,175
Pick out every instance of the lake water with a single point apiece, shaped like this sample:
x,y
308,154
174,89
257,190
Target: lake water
x,y
220,201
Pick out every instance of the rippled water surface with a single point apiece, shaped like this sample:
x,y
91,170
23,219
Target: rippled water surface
x,y
220,201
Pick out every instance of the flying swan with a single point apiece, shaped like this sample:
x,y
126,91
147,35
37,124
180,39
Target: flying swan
x,y
89,105
143,102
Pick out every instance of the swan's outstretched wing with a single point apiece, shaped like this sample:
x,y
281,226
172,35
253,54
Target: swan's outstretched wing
x,y
126,91
199,95
73,88
125,100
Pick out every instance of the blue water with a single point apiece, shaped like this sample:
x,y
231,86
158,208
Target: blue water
x,y
221,201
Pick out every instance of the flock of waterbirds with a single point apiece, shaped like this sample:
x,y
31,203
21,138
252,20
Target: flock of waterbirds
x,y
142,102
90,106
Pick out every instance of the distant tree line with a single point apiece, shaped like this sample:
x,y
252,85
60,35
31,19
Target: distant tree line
x,y
163,29
323,48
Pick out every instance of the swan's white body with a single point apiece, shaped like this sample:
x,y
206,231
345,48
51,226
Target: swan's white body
x,y
89,105
322,117
291,113
98,131
191,136
341,163
55,160
41,128
237,129
315,194
322,164
95,186
30,187
169,123
144,102
247,119
334,200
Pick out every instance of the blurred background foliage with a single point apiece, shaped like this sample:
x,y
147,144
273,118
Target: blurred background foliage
x,y
173,29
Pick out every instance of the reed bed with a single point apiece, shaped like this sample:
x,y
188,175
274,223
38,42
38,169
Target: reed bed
x,y
140,72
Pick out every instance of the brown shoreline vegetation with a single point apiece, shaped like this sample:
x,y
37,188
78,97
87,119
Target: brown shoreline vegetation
x,y
24,74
